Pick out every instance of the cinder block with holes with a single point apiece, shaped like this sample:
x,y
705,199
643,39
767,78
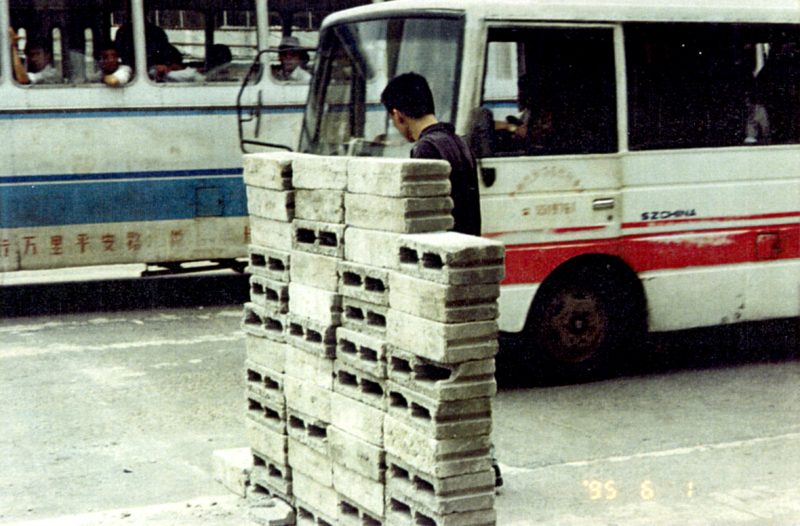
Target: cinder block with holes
x,y
401,512
307,516
315,270
398,177
442,342
368,460
271,294
364,493
440,496
268,170
361,351
264,382
308,431
398,214
451,258
310,462
319,205
359,385
271,478
258,322
277,205
442,381
271,233
308,398
270,413
316,237
319,172
315,304
364,282
365,317
361,420
371,247
311,336
323,501
269,262
440,419
436,457
351,514
266,442
266,352
444,303
310,367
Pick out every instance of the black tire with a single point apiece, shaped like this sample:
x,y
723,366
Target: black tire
x,y
581,321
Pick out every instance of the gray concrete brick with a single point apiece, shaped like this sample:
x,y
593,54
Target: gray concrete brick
x,y
439,458
266,442
444,303
272,295
351,514
319,205
362,352
232,468
315,270
320,305
311,463
277,205
268,170
437,419
399,214
359,385
276,235
371,247
264,382
270,511
364,282
308,516
308,398
270,478
400,512
310,367
368,460
317,171
269,262
357,491
258,322
442,381
364,317
312,336
268,412
451,258
442,342
358,418
398,177
266,352
309,431
318,238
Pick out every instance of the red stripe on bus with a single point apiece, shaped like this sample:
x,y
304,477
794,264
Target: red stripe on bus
x,y
532,263
660,222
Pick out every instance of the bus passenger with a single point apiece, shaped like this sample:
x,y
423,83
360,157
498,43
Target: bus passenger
x,y
39,69
409,101
170,68
112,72
293,62
218,63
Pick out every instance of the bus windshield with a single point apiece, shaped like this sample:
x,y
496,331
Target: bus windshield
x,y
344,115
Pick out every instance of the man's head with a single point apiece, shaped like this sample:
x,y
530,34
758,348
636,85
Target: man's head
x,y
291,54
37,55
408,98
109,60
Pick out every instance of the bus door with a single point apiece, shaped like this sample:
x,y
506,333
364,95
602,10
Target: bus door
x,y
546,138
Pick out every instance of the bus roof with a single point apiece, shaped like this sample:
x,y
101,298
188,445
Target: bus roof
x,y
721,11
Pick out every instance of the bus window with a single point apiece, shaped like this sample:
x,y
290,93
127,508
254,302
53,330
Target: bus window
x,y
547,91
710,85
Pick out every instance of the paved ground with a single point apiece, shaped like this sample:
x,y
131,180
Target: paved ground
x,y
111,418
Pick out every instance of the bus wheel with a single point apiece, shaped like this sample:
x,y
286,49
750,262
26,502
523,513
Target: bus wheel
x,y
581,319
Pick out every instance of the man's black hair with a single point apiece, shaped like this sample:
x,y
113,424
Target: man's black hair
x,y
410,94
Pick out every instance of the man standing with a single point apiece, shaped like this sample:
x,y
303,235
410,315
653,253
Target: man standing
x,y
409,101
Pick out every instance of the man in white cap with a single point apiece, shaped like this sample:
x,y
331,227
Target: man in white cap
x,y
294,60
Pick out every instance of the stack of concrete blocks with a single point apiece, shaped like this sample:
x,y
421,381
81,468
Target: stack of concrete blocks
x,y
371,339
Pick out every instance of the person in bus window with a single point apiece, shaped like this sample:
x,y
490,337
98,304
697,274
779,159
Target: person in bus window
x,y
218,63
170,68
293,62
39,68
409,101
112,72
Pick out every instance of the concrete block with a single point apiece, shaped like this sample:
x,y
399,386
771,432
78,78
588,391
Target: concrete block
x,y
269,413
439,458
277,205
440,420
264,383
310,367
276,235
271,511
316,237
442,342
401,512
358,491
362,352
270,478
308,398
319,205
316,172
316,496
308,431
359,419
310,462
351,514
364,282
440,496
266,442
399,214
371,247
312,336
315,270
269,262
398,177
368,460
442,381
272,295
307,516
451,258
232,468
268,170
266,352
364,317
320,305
444,303
258,322
359,385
